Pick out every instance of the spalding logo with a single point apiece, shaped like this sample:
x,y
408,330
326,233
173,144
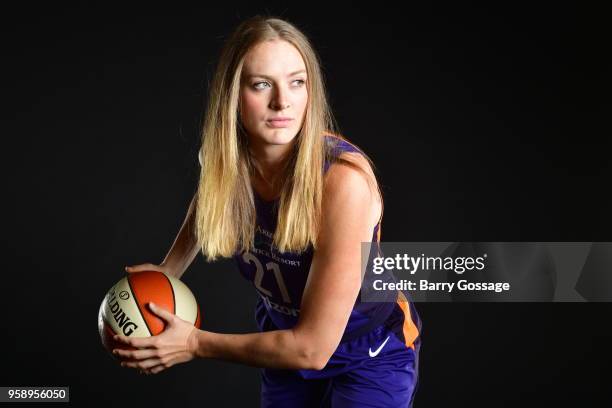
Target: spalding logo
x,y
124,322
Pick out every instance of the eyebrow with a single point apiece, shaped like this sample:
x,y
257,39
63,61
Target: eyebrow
x,y
267,77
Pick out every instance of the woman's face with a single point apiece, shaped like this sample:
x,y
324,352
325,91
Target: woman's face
x,y
273,93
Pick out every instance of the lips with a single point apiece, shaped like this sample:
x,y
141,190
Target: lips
x,y
279,122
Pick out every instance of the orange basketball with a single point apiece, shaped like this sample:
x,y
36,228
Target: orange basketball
x,y
124,308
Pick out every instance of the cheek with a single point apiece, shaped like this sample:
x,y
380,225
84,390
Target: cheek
x,y
303,102
251,107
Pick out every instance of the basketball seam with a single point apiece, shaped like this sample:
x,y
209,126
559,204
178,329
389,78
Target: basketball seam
x,y
138,307
173,296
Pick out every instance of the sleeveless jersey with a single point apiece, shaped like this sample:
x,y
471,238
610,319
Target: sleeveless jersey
x,y
280,277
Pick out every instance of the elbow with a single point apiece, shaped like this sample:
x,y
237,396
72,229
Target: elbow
x,y
320,363
313,351
313,358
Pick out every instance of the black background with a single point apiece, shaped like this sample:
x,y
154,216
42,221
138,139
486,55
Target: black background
x,y
485,124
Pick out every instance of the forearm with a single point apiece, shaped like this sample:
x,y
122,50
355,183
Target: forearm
x,y
184,249
279,349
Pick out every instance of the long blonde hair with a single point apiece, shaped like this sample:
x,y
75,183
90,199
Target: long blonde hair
x,y
225,210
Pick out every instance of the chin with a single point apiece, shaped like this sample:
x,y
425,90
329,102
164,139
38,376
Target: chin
x,y
279,136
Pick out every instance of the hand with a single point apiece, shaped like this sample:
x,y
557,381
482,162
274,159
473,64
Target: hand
x,y
176,344
149,267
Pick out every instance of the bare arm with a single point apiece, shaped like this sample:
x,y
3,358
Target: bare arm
x,y
275,349
185,248
181,253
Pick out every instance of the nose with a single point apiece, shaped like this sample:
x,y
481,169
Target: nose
x,y
279,100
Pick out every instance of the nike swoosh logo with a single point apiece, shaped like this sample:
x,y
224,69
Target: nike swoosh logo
x,y
375,353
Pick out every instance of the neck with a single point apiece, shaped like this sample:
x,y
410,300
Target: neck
x,y
270,159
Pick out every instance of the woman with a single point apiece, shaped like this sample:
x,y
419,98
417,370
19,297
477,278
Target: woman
x,y
292,202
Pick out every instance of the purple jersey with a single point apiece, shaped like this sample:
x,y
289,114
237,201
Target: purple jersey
x,y
280,278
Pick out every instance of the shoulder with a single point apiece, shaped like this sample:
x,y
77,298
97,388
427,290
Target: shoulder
x,y
350,182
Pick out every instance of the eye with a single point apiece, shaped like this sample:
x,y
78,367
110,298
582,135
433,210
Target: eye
x,y
258,85
300,82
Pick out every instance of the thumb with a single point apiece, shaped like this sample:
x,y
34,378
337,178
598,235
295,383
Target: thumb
x,y
161,312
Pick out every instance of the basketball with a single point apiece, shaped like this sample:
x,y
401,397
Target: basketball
x,y
124,309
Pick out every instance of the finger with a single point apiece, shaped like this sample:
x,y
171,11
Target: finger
x,y
135,354
161,312
166,361
157,369
141,267
138,342
150,372
142,365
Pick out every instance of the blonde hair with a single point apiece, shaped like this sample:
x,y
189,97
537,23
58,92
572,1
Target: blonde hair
x,y
225,209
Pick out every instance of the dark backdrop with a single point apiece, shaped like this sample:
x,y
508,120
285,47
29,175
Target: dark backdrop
x,y
485,124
